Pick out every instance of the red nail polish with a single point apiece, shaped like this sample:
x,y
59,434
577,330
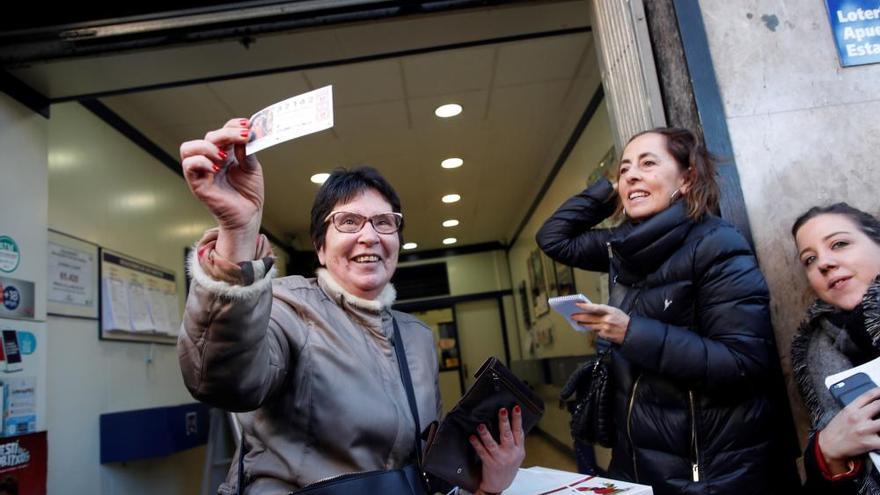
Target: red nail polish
x,y
482,428
202,251
222,154
245,133
243,122
517,409
504,413
216,168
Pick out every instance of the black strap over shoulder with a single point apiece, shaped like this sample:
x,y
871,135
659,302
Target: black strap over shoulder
x,y
400,350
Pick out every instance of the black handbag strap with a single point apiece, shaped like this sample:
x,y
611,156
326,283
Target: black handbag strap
x,y
400,350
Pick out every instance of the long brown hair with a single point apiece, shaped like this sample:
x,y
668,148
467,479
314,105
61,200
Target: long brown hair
x,y
698,165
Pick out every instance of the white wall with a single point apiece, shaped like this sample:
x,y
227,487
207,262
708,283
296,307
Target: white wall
x,y
23,138
591,147
804,132
104,189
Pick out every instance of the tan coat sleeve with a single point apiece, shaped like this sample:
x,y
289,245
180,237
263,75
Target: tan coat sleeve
x,y
231,355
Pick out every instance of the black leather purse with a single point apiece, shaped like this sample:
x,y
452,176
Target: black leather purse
x,y
449,455
590,385
408,480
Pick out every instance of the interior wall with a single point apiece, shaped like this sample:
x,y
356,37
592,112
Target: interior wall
x,y
804,133
105,190
593,144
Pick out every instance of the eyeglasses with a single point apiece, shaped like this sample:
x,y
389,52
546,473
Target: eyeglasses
x,y
351,223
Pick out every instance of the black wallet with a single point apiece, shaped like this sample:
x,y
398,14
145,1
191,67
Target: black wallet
x,y
449,455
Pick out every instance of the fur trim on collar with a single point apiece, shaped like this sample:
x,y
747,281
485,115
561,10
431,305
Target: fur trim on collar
x,y
336,292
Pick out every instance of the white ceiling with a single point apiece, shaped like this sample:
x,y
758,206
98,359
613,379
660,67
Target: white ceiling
x,y
521,102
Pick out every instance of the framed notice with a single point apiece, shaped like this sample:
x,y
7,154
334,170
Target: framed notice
x,y
72,286
138,300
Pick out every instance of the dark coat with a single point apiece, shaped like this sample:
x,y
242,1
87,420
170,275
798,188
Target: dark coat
x,y
820,348
694,373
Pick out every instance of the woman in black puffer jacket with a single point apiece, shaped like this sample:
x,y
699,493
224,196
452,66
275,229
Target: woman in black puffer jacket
x,y
694,364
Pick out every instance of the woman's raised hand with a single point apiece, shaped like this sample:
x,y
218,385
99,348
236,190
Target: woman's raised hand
x,y
852,432
230,184
502,459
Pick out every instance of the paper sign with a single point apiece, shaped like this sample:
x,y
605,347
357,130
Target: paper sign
x,y
292,118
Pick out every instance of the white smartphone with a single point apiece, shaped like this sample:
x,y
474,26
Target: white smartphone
x,y
566,306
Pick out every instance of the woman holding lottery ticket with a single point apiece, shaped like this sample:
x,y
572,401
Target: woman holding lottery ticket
x,y
327,379
693,364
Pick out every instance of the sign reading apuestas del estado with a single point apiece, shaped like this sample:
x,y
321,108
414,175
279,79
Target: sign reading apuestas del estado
x,y
856,28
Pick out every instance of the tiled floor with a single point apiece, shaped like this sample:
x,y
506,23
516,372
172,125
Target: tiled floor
x,y
540,452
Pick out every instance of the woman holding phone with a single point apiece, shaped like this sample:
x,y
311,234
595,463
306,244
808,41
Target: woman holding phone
x,y
693,361
839,249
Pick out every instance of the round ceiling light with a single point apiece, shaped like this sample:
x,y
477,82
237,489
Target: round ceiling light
x,y
410,245
450,223
451,198
448,110
450,240
320,178
452,163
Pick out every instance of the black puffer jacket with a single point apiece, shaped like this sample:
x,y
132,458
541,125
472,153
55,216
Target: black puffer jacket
x,y
693,376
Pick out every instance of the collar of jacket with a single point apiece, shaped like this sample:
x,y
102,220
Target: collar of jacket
x,y
335,291
643,246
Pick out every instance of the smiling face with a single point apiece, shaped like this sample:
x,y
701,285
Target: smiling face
x,y
362,262
648,177
839,259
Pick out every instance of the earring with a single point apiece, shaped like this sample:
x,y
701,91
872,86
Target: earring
x,y
674,194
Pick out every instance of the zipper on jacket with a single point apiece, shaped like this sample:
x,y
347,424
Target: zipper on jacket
x,y
695,463
632,446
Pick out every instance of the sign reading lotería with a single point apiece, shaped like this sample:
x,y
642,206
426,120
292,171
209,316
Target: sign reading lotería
x,y
856,28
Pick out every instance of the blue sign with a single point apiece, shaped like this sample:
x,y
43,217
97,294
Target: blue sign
x,y
856,28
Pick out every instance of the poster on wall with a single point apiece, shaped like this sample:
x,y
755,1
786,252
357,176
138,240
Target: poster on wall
x,y
550,273
23,464
524,303
72,286
564,279
538,283
17,298
22,381
138,300
10,254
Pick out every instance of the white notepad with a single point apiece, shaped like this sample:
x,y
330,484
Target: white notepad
x,y
565,305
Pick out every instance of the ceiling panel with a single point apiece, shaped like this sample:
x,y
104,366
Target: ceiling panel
x,y
356,84
540,60
449,72
521,101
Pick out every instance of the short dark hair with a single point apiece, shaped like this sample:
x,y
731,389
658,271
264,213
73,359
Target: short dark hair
x,y
342,186
867,223
692,156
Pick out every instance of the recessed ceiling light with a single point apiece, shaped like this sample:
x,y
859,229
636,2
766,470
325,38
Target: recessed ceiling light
x,y
410,245
450,240
451,198
448,110
452,163
450,223
320,178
